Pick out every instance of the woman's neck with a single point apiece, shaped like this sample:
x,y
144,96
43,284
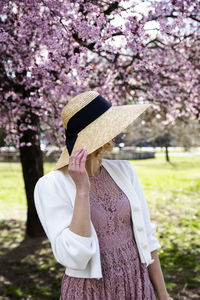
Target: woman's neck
x,y
92,165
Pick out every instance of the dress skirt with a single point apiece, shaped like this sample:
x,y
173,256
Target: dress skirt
x,y
124,276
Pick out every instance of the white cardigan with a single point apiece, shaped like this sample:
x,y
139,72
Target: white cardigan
x,y
54,197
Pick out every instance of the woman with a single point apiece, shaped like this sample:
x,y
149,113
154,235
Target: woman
x,y
94,212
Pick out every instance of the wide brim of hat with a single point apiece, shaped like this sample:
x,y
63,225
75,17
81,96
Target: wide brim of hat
x,y
103,129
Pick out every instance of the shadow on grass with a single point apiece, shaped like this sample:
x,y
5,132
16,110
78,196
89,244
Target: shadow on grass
x,y
181,269
29,270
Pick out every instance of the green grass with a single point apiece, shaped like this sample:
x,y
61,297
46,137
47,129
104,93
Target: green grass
x,y
12,192
29,270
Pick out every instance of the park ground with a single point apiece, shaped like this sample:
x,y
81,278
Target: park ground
x,y
29,270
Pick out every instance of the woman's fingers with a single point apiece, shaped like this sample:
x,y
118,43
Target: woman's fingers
x,y
72,158
77,158
83,158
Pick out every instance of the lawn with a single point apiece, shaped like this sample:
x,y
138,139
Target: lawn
x,y
29,270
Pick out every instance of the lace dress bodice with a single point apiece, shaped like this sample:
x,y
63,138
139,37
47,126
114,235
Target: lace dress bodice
x,y
110,212
124,276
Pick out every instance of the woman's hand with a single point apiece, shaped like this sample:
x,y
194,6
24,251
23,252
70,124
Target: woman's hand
x,y
78,171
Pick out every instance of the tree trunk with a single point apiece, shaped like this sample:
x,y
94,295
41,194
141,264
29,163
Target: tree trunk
x,y
166,147
32,167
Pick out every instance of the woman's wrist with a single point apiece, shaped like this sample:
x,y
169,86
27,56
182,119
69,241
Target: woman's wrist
x,y
82,191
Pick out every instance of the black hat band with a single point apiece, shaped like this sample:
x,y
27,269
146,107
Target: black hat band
x,y
83,118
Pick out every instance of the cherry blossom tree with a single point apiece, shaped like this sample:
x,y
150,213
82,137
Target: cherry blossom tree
x,y
51,50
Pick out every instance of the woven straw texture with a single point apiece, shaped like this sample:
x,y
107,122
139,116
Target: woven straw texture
x,y
103,129
76,104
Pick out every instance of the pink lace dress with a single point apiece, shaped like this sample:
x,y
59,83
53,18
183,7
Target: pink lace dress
x,y
124,276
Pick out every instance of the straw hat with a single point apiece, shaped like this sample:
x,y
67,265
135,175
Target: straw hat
x,y
91,121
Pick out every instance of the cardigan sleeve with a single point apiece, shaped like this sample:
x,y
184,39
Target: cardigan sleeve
x,y
150,227
55,212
